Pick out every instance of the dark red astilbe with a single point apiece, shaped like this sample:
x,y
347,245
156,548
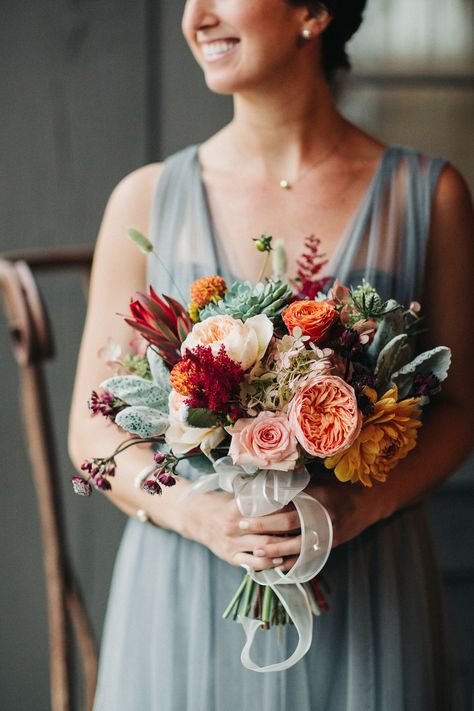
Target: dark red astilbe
x,y
163,322
309,265
214,383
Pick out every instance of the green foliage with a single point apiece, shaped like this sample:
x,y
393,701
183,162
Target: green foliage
x,y
435,361
137,391
137,365
200,417
142,421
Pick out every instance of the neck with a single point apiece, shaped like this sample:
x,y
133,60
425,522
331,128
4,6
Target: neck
x,y
278,132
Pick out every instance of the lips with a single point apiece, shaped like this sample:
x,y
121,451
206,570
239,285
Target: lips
x,y
213,49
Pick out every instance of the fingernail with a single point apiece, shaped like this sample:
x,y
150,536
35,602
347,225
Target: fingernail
x,y
244,525
259,552
277,561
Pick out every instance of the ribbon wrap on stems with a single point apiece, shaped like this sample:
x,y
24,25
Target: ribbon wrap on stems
x,y
261,492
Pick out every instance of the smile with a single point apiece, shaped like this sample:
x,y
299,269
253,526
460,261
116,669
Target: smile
x,y
220,48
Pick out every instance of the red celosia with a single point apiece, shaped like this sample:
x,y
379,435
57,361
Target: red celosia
x,y
214,381
163,322
309,265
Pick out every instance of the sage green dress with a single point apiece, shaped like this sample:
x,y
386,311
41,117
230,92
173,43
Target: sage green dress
x,y
382,645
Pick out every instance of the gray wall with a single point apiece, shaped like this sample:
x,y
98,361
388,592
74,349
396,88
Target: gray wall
x,y
89,91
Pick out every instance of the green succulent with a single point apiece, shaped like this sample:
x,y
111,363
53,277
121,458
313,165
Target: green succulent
x,y
368,302
137,365
244,300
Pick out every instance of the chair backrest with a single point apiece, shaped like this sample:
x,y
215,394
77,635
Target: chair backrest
x,y
32,343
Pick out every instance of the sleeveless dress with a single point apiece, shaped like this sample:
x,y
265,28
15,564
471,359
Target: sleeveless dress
x,y
381,646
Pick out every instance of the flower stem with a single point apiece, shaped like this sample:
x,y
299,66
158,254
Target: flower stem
x,y
267,605
236,599
264,266
247,603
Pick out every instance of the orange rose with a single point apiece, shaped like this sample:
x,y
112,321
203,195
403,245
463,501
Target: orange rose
x,y
315,318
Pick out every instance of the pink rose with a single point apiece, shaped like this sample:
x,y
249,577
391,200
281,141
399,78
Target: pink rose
x,y
265,441
324,416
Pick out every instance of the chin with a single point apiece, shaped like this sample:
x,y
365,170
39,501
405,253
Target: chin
x,y
227,83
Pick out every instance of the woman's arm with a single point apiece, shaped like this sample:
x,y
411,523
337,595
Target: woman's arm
x,y
447,434
119,270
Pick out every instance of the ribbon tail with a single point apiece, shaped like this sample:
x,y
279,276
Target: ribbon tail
x,y
295,601
205,483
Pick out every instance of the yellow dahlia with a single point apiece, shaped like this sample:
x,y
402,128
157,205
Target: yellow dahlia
x,y
387,436
207,289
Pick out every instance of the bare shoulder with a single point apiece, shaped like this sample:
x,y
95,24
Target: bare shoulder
x,y
452,192
132,197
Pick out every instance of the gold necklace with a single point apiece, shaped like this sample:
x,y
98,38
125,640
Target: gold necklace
x,y
287,185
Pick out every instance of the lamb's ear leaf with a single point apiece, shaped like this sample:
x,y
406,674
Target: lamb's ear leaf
x,y
435,361
137,391
391,325
159,371
387,361
142,421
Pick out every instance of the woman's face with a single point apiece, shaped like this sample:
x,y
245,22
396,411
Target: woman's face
x,y
242,44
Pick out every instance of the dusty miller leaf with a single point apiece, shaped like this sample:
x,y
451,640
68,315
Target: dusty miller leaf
x,y
137,391
142,421
387,361
436,361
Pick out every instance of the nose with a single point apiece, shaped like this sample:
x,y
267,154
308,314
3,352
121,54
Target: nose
x,y
199,15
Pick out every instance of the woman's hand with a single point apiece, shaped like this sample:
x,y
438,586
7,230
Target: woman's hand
x,y
351,507
259,542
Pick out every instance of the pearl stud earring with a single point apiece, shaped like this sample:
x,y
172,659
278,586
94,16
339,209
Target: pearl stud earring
x,y
306,33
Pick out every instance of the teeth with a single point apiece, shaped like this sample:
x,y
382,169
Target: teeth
x,y
219,47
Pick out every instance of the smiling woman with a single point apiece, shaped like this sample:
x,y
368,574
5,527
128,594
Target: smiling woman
x,y
381,212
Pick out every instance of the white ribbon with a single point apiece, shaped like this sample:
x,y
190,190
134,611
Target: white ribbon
x,y
261,492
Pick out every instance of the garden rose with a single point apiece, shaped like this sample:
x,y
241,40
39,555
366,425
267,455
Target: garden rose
x,y
245,343
314,318
182,438
324,416
265,441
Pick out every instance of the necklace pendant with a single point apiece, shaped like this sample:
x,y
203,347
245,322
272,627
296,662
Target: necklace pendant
x,y
285,185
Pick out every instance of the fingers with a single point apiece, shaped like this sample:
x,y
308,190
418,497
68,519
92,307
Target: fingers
x,y
280,549
264,552
280,522
257,563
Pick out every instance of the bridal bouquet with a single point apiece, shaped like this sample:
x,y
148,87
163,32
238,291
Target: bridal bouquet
x,y
258,384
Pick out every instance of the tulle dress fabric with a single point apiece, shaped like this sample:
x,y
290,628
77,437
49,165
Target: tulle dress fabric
x,y
382,645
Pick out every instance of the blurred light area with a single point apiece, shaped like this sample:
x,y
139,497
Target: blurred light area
x,y
425,36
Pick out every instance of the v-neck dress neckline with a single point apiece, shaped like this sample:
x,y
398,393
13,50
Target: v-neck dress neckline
x,y
357,220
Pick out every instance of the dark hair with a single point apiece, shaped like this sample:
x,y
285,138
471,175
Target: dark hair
x,y
346,18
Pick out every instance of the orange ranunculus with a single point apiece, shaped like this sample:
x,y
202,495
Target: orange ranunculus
x,y
315,318
324,416
387,436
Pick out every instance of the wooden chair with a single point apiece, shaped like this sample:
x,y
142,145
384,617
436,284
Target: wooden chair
x,y
32,342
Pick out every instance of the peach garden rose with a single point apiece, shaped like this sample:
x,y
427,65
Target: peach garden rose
x,y
265,441
324,416
245,343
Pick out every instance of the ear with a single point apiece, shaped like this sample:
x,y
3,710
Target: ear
x,y
317,20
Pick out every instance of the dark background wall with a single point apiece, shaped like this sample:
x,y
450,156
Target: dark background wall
x,y
89,91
